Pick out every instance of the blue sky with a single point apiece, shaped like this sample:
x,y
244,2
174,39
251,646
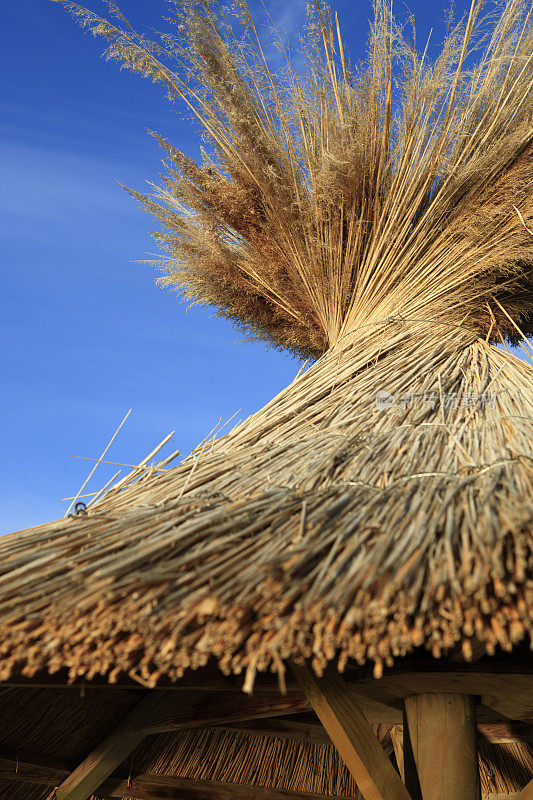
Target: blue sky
x,y
86,333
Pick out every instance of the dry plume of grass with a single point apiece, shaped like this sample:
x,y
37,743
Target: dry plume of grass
x,y
332,197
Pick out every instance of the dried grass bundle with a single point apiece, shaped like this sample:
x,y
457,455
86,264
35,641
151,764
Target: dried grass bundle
x,y
248,758
330,197
323,527
390,233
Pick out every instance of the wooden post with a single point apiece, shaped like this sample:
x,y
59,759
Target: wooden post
x,y
526,793
440,747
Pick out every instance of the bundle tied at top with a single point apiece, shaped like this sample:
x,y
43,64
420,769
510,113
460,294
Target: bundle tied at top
x,y
329,197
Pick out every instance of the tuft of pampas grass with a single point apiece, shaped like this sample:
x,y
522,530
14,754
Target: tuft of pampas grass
x,y
330,197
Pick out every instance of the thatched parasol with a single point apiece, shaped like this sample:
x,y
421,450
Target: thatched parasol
x,y
378,513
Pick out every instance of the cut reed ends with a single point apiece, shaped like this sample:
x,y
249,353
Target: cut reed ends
x,y
324,527
331,198
386,220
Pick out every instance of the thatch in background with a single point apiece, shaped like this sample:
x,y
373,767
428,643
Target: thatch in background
x,y
257,760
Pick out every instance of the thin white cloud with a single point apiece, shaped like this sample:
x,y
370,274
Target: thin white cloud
x,y
44,184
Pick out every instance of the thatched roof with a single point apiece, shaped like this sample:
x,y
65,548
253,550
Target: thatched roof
x,y
383,501
324,526
379,508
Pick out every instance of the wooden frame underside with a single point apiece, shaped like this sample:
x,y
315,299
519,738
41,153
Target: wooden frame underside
x,y
343,708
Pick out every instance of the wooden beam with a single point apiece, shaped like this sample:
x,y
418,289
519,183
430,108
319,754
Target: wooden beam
x,y
407,676
305,731
21,765
205,679
504,684
512,796
376,711
351,734
99,692
508,691
47,771
514,702
280,728
440,747
162,712
203,710
109,753
506,732
166,787
156,787
526,793
396,736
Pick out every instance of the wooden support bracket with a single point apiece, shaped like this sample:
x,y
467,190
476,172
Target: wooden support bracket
x,y
527,792
351,734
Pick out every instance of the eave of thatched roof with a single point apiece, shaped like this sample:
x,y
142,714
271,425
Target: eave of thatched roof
x,y
321,527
